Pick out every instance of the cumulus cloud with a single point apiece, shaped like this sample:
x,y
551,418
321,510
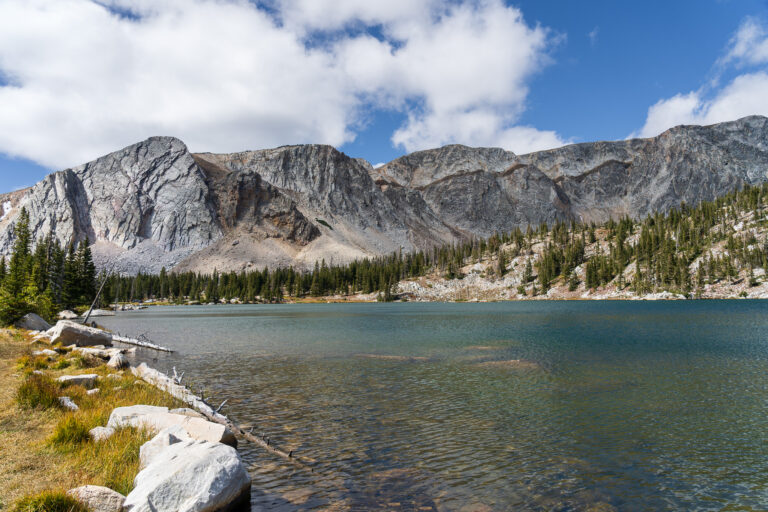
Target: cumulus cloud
x,y
749,45
743,95
79,78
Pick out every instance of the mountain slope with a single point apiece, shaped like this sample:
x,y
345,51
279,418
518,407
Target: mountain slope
x,y
155,204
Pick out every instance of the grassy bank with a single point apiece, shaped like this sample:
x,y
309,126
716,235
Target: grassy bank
x,y
45,448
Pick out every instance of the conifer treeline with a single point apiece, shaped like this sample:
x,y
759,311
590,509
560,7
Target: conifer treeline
x,y
655,253
660,255
46,280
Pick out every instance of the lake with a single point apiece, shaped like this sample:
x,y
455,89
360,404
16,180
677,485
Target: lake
x,y
497,406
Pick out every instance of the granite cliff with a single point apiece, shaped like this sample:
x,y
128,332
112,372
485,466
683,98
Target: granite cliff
x,y
155,204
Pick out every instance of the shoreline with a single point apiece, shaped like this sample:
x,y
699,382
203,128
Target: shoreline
x,y
91,391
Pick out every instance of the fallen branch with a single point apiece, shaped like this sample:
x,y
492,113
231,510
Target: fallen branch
x,y
167,384
140,343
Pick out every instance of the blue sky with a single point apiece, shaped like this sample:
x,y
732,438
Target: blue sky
x,y
567,72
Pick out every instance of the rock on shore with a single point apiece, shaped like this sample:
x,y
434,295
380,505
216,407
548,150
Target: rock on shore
x,y
191,476
71,333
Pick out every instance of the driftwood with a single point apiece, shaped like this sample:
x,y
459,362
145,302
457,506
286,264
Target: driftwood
x,y
174,388
140,343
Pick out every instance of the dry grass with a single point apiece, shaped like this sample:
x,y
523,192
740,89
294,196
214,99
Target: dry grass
x,y
45,449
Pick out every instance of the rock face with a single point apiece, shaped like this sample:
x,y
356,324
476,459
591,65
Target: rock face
x,y
191,476
71,333
155,204
97,498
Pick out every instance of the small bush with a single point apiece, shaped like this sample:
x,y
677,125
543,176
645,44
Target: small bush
x,y
35,363
61,364
69,433
49,501
38,391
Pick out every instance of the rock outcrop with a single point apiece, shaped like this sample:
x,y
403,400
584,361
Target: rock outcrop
x,y
155,204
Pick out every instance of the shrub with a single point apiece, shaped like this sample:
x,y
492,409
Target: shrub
x,y
49,501
36,363
61,364
38,391
69,433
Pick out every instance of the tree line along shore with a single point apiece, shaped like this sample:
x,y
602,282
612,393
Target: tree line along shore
x,y
693,251
685,252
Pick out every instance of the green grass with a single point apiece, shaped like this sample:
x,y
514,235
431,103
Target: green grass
x,y
49,501
38,391
69,434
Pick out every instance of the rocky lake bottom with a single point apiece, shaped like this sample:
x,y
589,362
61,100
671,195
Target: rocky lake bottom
x,y
572,405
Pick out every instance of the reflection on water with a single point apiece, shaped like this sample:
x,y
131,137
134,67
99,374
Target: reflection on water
x,y
478,407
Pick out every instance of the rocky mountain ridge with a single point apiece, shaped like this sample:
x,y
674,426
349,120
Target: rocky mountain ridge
x,y
155,204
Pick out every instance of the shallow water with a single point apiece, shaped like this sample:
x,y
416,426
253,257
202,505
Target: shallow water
x,y
499,406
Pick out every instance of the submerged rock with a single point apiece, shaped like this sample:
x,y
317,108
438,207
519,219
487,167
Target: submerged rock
x,y
191,476
388,357
32,322
97,498
71,333
512,364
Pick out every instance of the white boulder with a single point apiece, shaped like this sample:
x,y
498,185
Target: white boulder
x,y
191,476
128,416
165,438
97,498
118,362
102,312
143,416
186,411
87,380
67,315
93,391
32,322
68,332
45,352
101,433
67,403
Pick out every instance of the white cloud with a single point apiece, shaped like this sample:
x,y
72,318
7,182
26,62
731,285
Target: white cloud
x,y
749,45
742,96
592,35
85,78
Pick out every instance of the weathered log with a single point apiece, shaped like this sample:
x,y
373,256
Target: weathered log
x,y
139,343
166,383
